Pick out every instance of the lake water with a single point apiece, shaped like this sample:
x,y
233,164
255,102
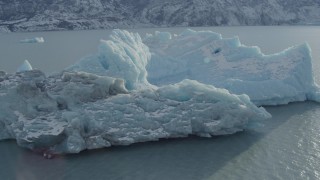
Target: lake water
x,y
287,147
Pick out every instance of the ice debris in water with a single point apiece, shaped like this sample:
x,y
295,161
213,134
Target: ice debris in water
x,y
33,40
72,111
25,66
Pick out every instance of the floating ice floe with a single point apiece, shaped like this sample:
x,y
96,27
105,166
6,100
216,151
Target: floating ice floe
x,y
73,111
33,40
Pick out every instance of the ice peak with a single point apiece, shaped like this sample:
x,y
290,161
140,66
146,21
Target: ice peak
x,y
25,66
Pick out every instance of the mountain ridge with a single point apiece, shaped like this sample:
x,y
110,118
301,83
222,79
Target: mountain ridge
x,y
47,15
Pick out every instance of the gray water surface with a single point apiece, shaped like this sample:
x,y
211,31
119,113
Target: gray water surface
x,y
287,147
64,48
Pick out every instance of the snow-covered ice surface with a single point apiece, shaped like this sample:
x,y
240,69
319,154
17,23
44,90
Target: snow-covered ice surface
x,y
163,58
33,40
123,56
226,63
72,111
25,66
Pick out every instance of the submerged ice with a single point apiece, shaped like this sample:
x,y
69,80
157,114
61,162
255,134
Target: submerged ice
x,y
162,86
72,111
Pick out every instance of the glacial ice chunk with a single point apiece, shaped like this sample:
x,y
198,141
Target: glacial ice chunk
x,y
123,56
226,63
106,99
33,40
72,111
25,66
205,56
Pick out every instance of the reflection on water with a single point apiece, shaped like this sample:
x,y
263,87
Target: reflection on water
x,y
287,147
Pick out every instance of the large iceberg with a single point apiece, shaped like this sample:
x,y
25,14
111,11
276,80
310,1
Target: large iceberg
x,y
163,58
107,99
72,111
226,63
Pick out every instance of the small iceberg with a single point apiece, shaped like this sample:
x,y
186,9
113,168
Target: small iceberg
x,y
33,40
25,66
